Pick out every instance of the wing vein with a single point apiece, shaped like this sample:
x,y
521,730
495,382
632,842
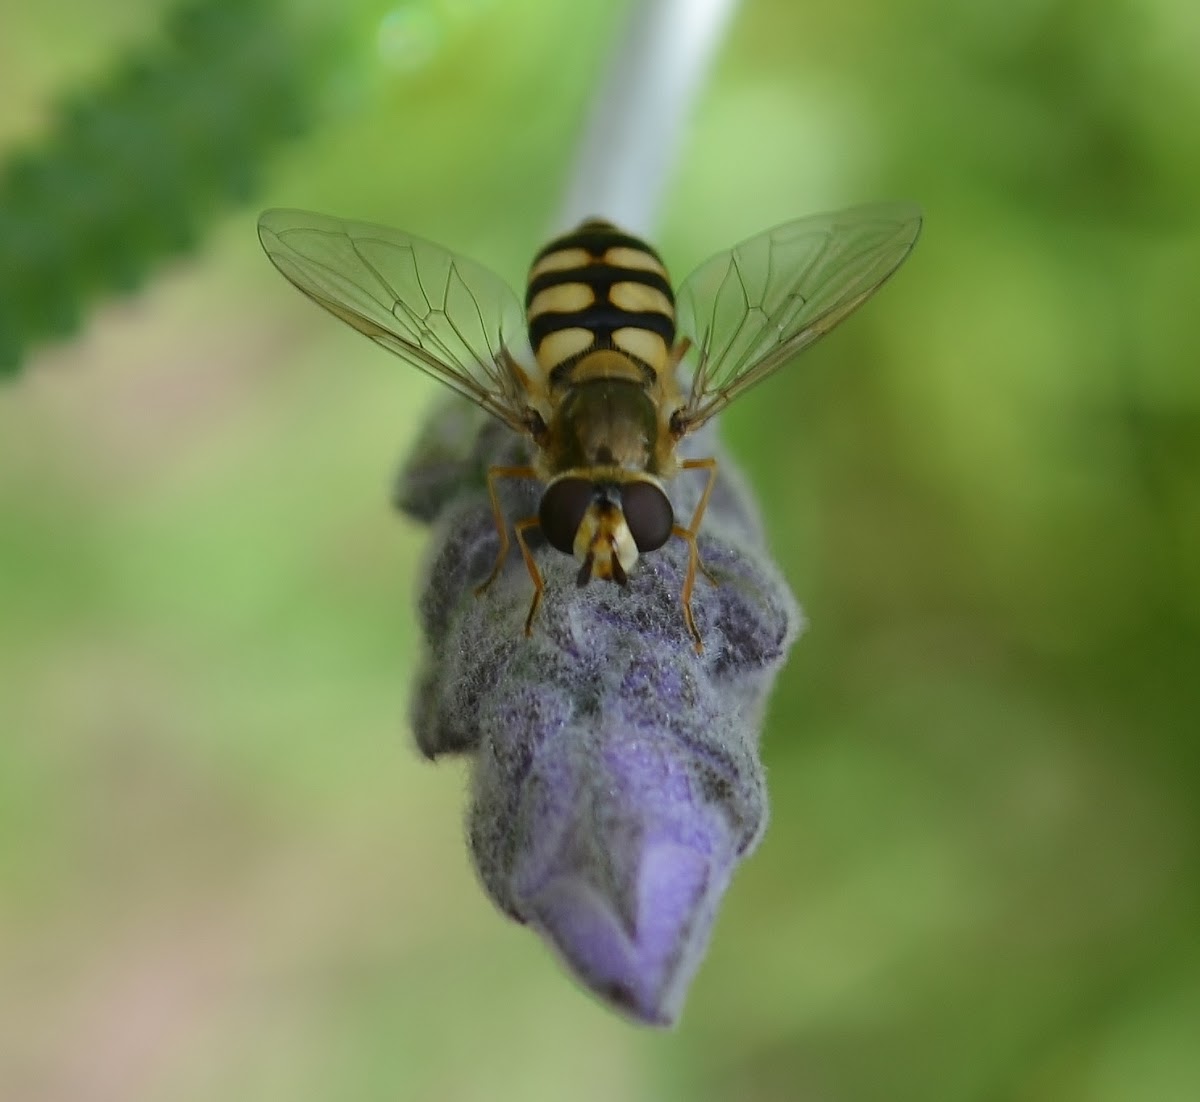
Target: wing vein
x,y
459,339
796,283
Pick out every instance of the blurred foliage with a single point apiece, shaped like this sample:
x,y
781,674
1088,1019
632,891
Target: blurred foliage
x,y
223,871
134,166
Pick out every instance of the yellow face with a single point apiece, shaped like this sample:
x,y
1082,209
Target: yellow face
x,y
604,544
605,522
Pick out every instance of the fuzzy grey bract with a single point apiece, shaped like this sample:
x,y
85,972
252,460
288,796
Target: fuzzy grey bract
x,y
616,777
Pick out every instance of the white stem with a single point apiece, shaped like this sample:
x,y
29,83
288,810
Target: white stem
x,y
636,126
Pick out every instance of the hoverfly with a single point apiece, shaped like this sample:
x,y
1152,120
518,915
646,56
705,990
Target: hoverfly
x,y
591,371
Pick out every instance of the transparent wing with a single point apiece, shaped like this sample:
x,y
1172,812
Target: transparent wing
x,y
442,313
748,311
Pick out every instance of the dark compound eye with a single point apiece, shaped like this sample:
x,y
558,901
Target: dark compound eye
x,y
648,514
561,511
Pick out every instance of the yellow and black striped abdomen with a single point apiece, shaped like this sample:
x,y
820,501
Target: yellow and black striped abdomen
x,y
598,288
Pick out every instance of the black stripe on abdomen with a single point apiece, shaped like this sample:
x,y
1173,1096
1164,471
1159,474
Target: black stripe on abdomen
x,y
601,321
593,283
600,278
596,237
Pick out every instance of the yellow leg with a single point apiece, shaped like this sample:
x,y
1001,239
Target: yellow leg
x,y
531,566
689,582
677,354
688,535
498,516
709,465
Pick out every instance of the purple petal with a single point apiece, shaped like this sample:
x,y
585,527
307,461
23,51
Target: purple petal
x,y
616,775
642,968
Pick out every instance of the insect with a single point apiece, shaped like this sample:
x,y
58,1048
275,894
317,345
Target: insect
x,y
592,369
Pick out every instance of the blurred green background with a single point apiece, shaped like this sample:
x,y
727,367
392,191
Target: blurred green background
x,y
224,871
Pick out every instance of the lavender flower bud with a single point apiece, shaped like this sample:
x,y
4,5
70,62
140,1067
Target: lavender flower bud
x,y
616,779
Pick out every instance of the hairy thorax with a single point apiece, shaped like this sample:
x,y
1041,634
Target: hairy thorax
x,y
605,416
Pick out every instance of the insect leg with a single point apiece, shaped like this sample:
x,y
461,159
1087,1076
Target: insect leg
x,y
688,535
498,516
531,566
677,354
689,582
709,465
